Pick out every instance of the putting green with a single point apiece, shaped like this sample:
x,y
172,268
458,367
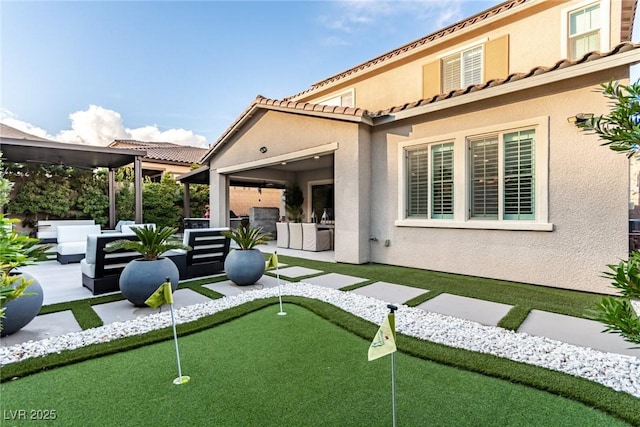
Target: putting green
x,y
269,370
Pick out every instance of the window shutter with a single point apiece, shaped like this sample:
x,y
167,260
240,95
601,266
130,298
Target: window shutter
x,y
518,175
484,178
472,66
417,185
431,79
496,58
442,181
451,73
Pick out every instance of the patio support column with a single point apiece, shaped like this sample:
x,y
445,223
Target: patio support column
x,y
112,199
352,171
186,201
137,173
218,199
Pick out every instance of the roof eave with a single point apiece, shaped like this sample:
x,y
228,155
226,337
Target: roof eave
x,y
613,61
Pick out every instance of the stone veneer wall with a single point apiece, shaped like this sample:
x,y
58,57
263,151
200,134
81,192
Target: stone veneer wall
x,y
265,218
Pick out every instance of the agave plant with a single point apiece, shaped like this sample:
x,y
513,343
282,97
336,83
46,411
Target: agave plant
x,y
247,237
152,243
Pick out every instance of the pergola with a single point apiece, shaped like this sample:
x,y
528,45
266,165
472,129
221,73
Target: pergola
x,y
80,156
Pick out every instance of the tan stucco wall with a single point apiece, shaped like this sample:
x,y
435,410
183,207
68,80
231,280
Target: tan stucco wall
x,y
534,40
588,197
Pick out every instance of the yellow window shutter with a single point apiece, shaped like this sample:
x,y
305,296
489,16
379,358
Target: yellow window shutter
x,y
496,58
431,79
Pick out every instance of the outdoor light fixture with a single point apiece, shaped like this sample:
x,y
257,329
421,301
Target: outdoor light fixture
x,y
580,118
316,157
263,149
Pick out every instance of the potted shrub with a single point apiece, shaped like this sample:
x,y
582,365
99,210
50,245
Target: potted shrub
x,y
245,265
141,277
21,295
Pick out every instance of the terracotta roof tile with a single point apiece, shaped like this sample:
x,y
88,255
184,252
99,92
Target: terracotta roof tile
x,y
503,7
164,151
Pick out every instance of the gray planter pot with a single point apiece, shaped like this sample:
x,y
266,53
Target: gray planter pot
x,y
19,312
244,267
141,278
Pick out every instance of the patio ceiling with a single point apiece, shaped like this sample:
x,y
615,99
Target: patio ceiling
x,y
58,153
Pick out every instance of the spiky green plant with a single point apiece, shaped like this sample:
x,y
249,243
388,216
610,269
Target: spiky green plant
x,y
247,237
620,129
152,242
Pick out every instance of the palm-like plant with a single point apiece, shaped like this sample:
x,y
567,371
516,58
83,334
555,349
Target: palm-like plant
x,y
152,242
247,237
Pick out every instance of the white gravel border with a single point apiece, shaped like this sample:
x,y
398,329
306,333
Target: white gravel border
x,y
619,372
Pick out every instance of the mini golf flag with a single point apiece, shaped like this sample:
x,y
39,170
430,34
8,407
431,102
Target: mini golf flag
x,y
161,296
272,262
384,342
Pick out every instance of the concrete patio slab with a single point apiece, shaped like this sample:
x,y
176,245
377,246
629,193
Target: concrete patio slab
x,y
295,272
61,283
334,280
44,326
573,330
484,312
120,311
390,292
228,288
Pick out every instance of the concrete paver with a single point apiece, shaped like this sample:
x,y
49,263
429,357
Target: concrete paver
x,y
390,292
334,280
295,272
121,311
485,312
574,330
228,288
44,326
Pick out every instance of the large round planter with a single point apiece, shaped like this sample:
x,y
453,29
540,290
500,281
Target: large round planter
x,y
141,278
20,311
244,267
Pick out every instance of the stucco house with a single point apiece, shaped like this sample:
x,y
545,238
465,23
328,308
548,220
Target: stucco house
x,y
454,152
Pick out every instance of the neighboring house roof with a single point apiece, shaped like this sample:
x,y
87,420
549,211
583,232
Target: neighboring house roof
x,y
365,116
628,11
164,151
11,132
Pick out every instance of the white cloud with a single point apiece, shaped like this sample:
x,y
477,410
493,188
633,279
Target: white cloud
x,y
352,16
100,126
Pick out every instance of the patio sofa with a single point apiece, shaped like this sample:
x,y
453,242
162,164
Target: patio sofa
x,y
101,270
72,242
47,230
209,249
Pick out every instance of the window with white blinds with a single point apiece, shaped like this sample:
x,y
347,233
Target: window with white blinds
x,y
462,69
345,99
442,181
430,192
518,175
484,178
584,30
417,182
503,186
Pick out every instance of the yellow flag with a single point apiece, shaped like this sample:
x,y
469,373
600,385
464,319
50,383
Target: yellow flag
x,y
384,342
272,262
161,296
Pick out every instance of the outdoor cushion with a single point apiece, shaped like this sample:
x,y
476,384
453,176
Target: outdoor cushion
x,y
76,233
295,235
282,231
128,228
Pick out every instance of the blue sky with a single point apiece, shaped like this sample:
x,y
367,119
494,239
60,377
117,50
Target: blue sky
x,y
90,72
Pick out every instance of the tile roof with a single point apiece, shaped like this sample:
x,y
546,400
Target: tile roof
x,y
489,13
564,63
11,132
163,151
348,113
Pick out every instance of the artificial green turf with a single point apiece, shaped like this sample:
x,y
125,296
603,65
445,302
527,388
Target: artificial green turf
x,y
526,296
264,369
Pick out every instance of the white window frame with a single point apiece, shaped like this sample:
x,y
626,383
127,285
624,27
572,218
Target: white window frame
x,y
605,25
462,190
336,100
459,51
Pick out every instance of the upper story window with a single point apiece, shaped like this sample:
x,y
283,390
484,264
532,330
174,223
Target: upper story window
x,y
462,69
584,30
345,99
